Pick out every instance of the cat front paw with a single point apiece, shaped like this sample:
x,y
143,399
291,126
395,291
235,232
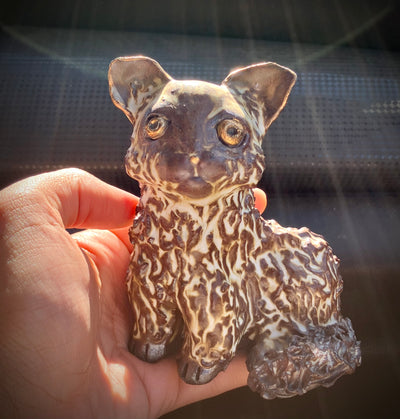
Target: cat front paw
x,y
147,351
193,373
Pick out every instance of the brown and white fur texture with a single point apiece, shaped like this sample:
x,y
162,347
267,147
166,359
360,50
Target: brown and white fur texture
x,y
208,276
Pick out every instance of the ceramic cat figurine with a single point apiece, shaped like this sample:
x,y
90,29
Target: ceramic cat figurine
x,y
207,274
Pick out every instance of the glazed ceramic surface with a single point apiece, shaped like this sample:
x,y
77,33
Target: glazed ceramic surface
x,y
208,275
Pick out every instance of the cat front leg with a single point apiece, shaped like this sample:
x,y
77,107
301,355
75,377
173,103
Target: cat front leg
x,y
304,361
154,329
213,328
203,356
156,320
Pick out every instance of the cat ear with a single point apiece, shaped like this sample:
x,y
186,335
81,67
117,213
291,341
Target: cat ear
x,y
133,82
262,89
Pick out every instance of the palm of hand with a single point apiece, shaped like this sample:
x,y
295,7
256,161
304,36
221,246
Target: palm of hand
x,y
64,312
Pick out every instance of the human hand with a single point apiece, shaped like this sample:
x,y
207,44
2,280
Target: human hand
x,y
64,312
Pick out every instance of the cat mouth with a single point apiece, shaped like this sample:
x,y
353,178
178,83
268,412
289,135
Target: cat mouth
x,y
195,187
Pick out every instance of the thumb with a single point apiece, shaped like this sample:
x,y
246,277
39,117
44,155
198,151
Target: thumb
x,y
72,198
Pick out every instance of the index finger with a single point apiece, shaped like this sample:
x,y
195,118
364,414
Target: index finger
x,y
260,199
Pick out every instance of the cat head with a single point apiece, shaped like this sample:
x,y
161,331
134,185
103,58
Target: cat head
x,y
195,139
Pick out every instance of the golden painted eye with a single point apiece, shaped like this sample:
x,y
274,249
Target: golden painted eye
x,y
231,132
156,127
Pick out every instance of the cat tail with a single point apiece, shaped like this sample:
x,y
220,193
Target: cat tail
x,y
306,361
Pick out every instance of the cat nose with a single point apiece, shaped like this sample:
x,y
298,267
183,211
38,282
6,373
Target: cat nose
x,y
194,160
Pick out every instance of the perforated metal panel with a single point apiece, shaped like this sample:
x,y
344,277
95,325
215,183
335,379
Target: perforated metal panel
x,y
339,131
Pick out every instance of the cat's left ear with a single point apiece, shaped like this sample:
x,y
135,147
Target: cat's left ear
x,y
134,81
262,89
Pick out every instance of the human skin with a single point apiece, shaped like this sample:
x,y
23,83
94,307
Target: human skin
x,y
64,312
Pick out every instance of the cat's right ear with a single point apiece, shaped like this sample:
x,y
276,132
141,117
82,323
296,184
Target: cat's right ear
x,y
263,89
133,82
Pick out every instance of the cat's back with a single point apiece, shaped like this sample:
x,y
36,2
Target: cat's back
x,y
298,273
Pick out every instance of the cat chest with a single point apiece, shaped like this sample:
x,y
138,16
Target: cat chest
x,y
189,253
